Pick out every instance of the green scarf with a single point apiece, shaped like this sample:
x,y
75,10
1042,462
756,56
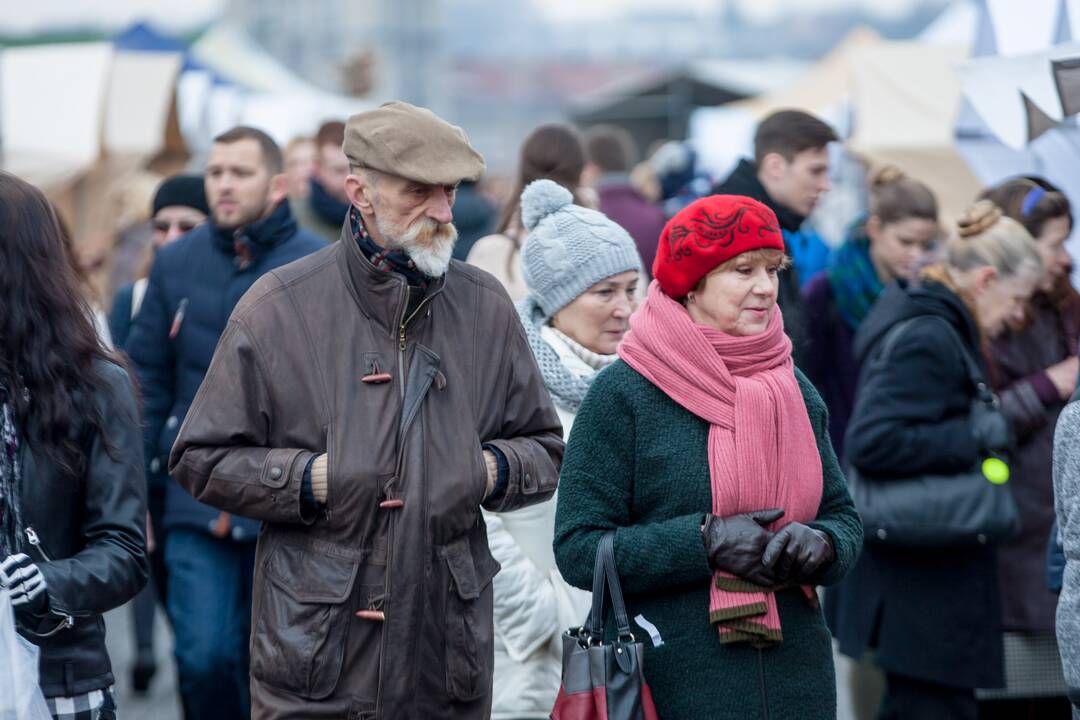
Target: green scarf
x,y
854,280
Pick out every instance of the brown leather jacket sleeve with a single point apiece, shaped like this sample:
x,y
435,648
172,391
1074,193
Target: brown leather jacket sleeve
x,y
221,455
529,433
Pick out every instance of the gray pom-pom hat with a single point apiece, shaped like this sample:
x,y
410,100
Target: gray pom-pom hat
x,y
569,248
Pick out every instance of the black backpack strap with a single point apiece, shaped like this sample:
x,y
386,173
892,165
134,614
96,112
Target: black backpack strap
x,y
897,331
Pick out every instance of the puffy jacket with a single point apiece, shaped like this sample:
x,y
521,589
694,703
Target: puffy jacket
x,y
88,537
195,283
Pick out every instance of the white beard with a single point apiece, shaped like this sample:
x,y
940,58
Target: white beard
x,y
432,255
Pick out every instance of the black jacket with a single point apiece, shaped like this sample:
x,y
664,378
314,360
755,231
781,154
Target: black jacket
x,y
935,614
743,180
91,540
194,285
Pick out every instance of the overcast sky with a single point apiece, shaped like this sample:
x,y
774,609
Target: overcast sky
x,y
36,15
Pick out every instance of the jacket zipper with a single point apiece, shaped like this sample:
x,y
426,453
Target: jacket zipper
x,y
764,690
68,619
402,370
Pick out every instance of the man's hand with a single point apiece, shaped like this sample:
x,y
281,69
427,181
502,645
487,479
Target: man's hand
x,y
492,466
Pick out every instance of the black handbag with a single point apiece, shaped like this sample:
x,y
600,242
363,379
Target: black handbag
x,y
963,509
603,682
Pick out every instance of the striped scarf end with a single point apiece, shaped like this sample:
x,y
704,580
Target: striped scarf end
x,y
730,615
734,584
753,633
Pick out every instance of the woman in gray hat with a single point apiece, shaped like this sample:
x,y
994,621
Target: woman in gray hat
x,y
581,271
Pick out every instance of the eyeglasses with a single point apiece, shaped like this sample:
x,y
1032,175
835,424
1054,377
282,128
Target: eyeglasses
x,y
164,226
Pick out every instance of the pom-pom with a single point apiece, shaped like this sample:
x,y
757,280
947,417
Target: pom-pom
x,y
540,199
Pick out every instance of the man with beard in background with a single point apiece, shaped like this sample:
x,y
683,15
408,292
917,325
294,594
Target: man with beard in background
x,y
364,403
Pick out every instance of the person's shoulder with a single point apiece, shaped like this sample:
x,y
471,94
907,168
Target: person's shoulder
x,y
815,405
464,275
305,241
491,248
622,383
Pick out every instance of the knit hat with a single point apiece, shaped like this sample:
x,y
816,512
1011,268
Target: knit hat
x,y
709,232
569,248
184,190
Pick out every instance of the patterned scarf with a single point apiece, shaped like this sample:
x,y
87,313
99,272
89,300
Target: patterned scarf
x,y
10,520
855,283
564,386
762,449
385,259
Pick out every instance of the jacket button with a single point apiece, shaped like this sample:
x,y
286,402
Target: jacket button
x,y
275,473
237,533
155,465
172,422
881,534
528,480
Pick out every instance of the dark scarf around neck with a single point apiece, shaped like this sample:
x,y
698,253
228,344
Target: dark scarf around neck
x,y
325,206
386,259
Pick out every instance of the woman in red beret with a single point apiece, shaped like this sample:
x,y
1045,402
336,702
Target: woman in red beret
x,y
707,453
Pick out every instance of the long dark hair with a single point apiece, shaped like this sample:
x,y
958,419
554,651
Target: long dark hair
x,y
554,152
48,344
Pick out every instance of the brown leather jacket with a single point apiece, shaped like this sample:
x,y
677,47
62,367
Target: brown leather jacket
x,y
401,535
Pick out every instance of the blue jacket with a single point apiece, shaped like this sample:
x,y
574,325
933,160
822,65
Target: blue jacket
x,y
195,283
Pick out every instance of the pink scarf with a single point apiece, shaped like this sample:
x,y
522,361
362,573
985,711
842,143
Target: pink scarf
x,y
762,450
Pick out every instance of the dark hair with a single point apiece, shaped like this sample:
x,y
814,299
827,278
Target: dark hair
x,y
271,153
611,148
790,132
552,152
1031,201
331,132
894,196
49,349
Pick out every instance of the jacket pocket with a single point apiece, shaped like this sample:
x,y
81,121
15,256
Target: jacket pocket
x,y
469,632
298,642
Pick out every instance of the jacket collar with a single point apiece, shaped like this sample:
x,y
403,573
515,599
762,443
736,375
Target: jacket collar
x,y
260,236
381,294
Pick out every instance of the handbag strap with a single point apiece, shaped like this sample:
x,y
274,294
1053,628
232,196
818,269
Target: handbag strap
x,y
971,365
605,583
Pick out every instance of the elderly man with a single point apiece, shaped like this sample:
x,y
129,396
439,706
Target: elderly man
x,y
364,403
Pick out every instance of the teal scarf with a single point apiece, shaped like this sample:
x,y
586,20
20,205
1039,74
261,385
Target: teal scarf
x,y
854,280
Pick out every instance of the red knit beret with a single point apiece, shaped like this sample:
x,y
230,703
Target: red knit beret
x,y
707,233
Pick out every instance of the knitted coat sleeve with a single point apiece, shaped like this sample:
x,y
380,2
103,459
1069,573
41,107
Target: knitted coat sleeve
x,y
836,515
595,495
1067,504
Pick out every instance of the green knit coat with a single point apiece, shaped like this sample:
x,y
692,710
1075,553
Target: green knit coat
x,y
637,463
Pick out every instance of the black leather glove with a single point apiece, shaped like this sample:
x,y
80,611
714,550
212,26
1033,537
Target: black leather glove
x,y
736,543
23,579
797,552
991,428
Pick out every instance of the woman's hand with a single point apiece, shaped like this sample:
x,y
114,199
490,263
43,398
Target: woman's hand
x,y
1063,375
736,544
798,552
23,579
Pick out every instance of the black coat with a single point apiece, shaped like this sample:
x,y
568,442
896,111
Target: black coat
x,y
92,540
933,615
743,180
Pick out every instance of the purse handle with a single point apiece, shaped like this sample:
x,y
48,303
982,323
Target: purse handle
x,y
971,365
606,581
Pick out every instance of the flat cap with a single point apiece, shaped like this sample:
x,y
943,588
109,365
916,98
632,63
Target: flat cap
x,y
411,142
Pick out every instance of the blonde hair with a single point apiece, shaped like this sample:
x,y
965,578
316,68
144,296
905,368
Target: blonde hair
x,y
987,237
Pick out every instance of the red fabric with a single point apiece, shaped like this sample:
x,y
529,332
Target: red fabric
x,y
762,450
592,705
707,233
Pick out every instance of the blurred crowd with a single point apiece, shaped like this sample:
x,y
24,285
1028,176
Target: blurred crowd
x,y
326,396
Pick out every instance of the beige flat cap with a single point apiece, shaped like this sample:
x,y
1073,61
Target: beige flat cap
x,y
411,142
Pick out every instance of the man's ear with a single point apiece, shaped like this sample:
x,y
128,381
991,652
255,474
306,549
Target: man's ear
x,y
279,188
773,166
359,192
